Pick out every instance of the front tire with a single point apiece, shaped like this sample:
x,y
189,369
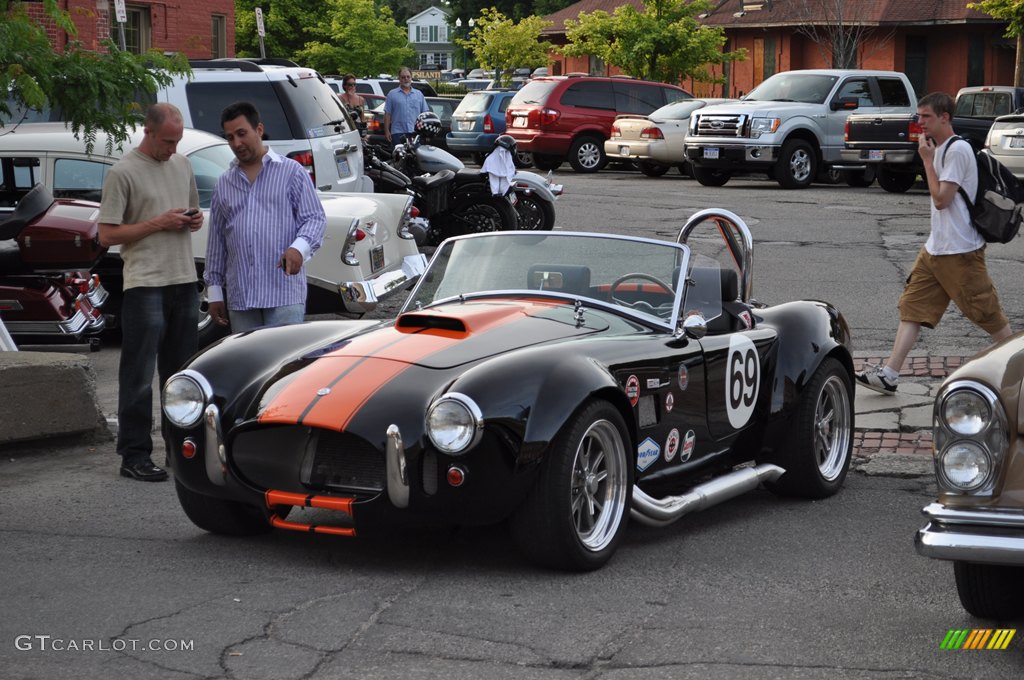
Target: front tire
x,y
653,169
990,591
818,450
797,165
587,154
219,516
710,177
478,213
895,182
576,515
535,214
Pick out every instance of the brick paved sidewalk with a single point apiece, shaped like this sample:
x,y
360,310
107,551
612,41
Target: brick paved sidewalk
x,y
918,443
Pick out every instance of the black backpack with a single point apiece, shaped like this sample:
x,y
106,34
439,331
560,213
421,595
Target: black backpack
x,y
998,208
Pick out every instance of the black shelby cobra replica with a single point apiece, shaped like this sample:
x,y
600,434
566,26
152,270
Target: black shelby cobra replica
x,y
564,381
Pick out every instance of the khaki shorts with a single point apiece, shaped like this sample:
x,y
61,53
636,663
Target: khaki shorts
x,y
962,278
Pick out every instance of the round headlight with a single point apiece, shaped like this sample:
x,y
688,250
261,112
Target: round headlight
x,y
966,465
966,412
453,423
183,400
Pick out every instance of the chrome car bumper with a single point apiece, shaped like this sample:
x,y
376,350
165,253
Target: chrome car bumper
x,y
364,296
986,535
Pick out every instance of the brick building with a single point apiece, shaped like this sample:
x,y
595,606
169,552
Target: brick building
x,y
939,44
200,29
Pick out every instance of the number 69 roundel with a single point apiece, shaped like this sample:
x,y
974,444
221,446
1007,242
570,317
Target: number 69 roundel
x,y
742,379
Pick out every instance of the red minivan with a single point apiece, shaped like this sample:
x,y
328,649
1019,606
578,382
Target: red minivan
x,y
559,118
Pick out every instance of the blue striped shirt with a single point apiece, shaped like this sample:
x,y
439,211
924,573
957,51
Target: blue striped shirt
x,y
252,224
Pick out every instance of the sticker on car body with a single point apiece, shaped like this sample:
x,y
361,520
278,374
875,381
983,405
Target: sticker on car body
x,y
633,389
671,445
689,441
647,453
742,380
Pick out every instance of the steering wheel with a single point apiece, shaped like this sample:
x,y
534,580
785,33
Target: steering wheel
x,y
637,275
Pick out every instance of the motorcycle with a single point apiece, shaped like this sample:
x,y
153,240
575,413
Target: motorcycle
x,y
47,249
450,200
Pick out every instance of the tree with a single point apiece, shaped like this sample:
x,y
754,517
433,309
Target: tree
x,y
357,37
831,25
289,26
664,42
500,44
94,91
1012,11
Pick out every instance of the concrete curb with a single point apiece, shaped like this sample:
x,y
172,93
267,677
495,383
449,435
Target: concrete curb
x,y
48,394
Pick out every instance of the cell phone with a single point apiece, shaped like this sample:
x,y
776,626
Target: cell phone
x,y
191,211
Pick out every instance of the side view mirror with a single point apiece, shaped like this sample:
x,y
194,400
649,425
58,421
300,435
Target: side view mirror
x,y
695,326
845,103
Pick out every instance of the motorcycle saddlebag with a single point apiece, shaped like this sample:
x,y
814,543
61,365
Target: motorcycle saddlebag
x,y
65,238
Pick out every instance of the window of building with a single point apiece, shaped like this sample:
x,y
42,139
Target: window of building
x,y
138,30
219,40
769,57
976,60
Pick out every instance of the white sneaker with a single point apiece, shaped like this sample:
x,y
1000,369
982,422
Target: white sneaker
x,y
873,378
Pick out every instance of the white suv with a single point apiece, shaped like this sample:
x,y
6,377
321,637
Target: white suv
x,y
302,118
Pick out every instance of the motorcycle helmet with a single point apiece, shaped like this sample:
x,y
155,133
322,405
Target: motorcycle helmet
x,y
428,124
506,142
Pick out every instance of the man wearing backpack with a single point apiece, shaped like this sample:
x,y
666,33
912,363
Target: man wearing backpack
x,y
951,265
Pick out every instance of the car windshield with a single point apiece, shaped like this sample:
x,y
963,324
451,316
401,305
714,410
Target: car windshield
x,y
534,92
679,110
474,102
810,88
636,276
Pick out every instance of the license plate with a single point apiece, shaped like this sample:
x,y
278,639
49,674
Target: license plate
x,y
519,121
343,169
711,153
623,150
465,125
1016,142
377,258
876,155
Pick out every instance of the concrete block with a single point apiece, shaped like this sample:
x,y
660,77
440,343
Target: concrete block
x,y
47,394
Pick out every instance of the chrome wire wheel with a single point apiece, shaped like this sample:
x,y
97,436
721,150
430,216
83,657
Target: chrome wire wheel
x,y
832,428
598,490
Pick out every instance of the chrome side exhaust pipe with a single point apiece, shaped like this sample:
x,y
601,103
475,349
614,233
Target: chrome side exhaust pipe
x,y
659,512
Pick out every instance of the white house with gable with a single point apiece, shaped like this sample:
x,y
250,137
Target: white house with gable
x,y
428,34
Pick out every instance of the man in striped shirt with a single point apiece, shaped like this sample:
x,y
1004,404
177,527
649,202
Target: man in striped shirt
x,y
266,221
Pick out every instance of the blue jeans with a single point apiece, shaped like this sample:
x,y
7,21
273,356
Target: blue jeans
x,y
248,319
158,333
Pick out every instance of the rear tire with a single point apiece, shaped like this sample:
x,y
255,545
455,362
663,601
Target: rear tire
x,y
710,177
477,213
818,450
219,516
990,591
587,154
547,162
523,159
653,169
860,178
576,515
895,182
534,213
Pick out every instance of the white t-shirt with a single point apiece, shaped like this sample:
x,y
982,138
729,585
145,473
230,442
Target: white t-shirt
x,y
952,232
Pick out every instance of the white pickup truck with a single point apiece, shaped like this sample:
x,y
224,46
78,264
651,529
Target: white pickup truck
x,y
791,125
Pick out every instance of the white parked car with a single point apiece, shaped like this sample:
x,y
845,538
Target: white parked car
x,y
1006,142
656,141
367,252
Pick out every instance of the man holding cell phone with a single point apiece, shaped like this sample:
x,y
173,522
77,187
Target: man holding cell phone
x,y
266,221
149,207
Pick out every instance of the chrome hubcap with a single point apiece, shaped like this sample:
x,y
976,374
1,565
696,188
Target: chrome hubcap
x,y
598,485
832,428
800,165
589,155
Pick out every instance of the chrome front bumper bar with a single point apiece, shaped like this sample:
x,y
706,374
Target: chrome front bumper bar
x,y
988,536
363,296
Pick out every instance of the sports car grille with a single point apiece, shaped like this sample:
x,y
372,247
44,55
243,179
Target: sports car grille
x,y
344,461
711,125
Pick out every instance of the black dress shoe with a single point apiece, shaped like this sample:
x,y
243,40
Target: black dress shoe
x,y
144,471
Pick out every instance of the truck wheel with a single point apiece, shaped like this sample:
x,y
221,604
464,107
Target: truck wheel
x,y
547,162
990,591
587,154
653,169
830,175
859,178
576,514
710,177
797,165
895,182
817,452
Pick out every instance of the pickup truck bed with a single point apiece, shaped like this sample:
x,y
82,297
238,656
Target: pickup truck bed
x,y
887,141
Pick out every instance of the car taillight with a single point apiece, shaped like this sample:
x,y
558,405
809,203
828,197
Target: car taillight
x,y
414,212
305,159
373,125
846,131
616,132
548,117
488,123
914,131
652,133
